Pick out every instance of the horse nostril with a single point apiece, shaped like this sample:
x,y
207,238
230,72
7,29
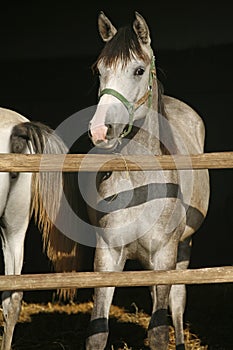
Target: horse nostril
x,y
98,142
89,130
109,131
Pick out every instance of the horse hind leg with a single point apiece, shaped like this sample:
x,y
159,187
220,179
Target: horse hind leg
x,y
16,218
177,297
11,303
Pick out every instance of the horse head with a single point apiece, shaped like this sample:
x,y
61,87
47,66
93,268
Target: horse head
x,y
126,74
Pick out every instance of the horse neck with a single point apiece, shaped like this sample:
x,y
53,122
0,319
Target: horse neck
x,y
146,140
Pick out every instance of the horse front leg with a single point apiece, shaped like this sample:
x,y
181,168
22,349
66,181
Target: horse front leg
x,y
158,330
109,259
177,298
98,328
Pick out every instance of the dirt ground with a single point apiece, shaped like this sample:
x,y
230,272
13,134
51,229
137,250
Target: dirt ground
x,y
46,324
62,326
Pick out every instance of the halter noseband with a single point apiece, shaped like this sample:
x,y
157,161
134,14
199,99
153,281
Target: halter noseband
x,y
133,106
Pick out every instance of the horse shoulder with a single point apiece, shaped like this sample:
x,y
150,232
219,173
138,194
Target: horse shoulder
x,y
187,122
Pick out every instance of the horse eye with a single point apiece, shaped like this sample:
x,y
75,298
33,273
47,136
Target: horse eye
x,y
139,71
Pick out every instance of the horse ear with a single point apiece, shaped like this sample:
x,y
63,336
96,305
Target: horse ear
x,y
141,29
106,29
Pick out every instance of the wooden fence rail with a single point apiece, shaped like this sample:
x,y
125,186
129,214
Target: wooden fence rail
x,y
118,279
96,162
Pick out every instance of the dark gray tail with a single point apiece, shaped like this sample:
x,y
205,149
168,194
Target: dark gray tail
x,y
48,191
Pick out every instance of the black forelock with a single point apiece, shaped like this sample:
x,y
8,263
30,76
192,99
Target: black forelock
x,y
123,46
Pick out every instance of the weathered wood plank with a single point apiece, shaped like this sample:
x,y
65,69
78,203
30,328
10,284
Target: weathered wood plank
x,y
95,162
118,279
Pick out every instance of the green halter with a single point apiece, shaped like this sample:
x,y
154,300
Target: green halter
x,y
133,106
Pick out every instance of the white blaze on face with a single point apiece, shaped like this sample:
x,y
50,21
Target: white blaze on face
x,y
98,128
110,109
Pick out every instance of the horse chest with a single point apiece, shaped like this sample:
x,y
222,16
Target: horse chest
x,y
135,183
129,210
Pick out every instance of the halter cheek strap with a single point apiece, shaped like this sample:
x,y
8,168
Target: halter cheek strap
x,y
133,106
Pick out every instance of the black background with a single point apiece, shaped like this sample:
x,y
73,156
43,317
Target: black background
x,y
46,51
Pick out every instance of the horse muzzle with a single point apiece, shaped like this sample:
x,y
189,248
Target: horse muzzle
x,y
104,136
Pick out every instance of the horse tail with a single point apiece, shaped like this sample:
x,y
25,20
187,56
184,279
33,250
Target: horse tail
x,y
47,192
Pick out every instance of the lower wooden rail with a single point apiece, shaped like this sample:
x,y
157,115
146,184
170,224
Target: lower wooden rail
x,y
118,279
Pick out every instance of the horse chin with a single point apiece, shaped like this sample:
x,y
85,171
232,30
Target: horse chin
x,y
107,145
